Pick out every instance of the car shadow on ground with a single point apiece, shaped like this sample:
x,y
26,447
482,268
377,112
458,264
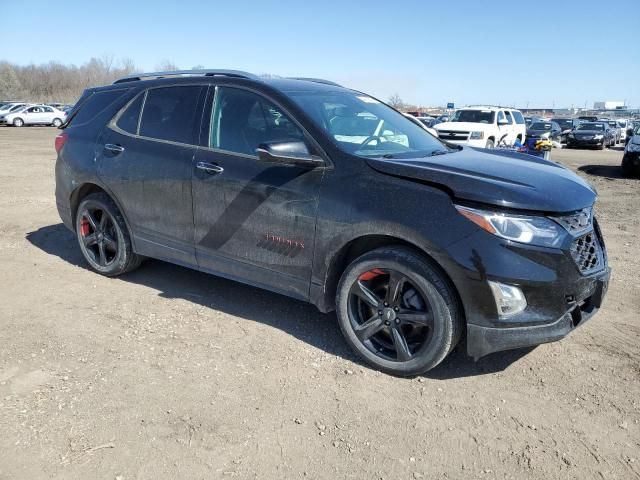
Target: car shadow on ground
x,y
605,171
297,318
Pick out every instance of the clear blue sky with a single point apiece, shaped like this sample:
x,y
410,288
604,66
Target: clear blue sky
x,y
539,52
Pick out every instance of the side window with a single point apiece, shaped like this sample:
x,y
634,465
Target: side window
x,y
501,116
242,120
170,113
128,120
508,116
95,104
518,117
47,109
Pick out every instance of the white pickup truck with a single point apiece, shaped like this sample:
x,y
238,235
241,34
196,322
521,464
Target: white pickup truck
x,y
483,126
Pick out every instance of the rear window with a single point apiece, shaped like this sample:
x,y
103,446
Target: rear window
x,y
170,113
93,105
128,121
518,117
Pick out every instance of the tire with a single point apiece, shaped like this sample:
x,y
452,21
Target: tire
x,y
56,122
18,122
602,147
490,144
103,236
424,330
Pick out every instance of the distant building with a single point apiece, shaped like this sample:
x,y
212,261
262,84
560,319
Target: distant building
x,y
608,105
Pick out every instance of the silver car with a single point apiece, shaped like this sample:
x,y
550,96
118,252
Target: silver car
x,y
34,115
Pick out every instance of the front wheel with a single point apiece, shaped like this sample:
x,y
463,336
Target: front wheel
x,y
397,311
103,236
56,122
18,122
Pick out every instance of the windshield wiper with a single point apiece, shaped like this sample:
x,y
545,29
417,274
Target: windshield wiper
x,y
437,152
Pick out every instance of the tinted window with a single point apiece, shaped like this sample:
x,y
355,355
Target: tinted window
x,y
95,104
242,120
518,117
540,126
591,126
170,113
128,121
508,115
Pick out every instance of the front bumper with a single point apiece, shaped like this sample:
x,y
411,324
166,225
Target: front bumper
x,y
482,340
575,142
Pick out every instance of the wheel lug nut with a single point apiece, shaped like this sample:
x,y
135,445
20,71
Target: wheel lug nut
x,y
397,321
379,312
387,323
397,309
386,304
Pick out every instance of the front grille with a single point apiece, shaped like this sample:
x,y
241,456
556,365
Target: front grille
x,y
453,135
586,252
578,221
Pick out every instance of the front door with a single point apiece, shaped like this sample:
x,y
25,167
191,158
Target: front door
x,y
253,221
145,159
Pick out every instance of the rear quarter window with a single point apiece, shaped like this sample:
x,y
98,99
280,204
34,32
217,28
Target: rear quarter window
x,y
94,105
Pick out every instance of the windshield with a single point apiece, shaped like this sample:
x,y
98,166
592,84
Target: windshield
x,y
564,122
540,126
591,126
473,116
363,126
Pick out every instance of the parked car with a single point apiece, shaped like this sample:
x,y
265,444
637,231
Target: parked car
x,y
328,195
419,121
588,118
11,107
591,134
623,125
631,158
548,130
528,120
483,126
34,115
566,125
616,130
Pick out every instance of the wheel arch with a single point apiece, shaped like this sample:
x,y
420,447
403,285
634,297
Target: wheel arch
x,y
361,245
88,188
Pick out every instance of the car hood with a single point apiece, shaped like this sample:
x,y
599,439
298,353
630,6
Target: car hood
x,y
501,178
588,132
462,126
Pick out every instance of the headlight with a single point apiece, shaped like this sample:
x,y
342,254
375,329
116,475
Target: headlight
x,y
476,136
533,230
633,147
598,137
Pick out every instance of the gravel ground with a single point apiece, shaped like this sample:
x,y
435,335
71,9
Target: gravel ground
x,y
171,373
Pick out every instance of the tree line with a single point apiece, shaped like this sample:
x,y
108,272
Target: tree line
x,y
57,82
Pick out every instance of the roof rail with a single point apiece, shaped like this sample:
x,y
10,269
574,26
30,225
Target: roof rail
x,y
488,105
316,80
187,73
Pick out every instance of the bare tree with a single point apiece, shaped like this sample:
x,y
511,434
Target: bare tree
x,y
166,66
395,101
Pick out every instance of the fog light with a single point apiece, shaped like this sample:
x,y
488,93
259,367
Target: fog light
x,y
509,299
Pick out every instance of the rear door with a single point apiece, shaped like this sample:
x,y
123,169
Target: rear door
x,y
146,156
254,221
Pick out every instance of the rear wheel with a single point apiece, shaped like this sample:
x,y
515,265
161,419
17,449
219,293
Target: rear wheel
x,y
18,122
56,122
103,236
489,144
397,311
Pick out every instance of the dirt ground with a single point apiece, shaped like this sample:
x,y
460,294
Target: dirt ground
x,y
171,373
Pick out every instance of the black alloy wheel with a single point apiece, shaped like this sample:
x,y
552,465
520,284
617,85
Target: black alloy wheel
x,y
103,236
398,311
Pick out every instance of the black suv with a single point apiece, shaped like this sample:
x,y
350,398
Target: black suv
x,y
325,194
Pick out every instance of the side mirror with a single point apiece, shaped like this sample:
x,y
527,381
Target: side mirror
x,y
502,121
293,153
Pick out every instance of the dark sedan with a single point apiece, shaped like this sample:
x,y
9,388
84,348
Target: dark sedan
x,y
591,134
566,124
549,130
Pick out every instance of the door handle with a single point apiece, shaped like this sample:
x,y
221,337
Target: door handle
x,y
210,168
116,149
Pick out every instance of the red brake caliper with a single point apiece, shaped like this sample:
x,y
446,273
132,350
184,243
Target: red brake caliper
x,y
84,227
370,275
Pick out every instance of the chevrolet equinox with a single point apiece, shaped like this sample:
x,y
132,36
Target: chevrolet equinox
x,y
325,194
